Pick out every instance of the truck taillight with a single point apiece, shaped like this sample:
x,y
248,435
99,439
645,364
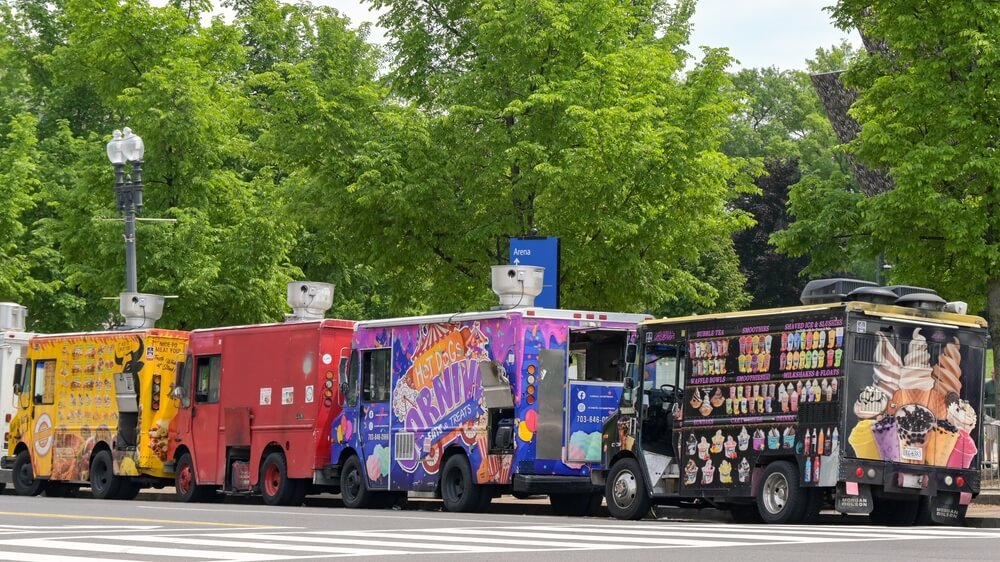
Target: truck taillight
x,y
7,418
960,481
6,437
327,402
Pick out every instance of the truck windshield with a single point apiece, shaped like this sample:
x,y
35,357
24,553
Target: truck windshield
x,y
663,365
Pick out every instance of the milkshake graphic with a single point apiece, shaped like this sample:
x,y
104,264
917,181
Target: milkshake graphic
x,y
690,473
743,439
707,472
692,445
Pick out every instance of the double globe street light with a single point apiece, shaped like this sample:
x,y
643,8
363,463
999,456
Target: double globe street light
x,y
126,147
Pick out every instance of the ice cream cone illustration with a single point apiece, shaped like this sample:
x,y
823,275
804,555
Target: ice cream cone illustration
x,y
963,453
947,372
940,443
916,372
886,375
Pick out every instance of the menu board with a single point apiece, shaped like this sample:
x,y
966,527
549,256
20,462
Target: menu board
x,y
760,389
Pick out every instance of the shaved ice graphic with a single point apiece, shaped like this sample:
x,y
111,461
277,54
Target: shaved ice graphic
x,y
377,464
586,446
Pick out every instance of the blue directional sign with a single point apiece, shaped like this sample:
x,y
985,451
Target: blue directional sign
x,y
542,252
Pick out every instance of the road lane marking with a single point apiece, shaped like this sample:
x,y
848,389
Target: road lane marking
x,y
132,519
318,512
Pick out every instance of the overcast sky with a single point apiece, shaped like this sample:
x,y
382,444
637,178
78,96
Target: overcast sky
x,y
758,33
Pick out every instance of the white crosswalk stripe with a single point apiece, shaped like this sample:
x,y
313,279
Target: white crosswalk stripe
x,y
78,543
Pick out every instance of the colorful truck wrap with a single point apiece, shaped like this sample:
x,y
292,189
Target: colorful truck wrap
x,y
875,408
256,405
94,408
470,405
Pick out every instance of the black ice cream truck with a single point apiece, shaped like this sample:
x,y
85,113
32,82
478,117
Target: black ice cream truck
x,y
866,398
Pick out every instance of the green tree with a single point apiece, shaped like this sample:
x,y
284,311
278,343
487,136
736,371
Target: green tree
x,y
94,65
928,111
573,118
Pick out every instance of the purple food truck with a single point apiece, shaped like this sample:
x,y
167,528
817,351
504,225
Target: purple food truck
x,y
471,405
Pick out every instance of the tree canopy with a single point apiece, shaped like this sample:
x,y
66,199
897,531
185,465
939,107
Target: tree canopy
x,y
287,146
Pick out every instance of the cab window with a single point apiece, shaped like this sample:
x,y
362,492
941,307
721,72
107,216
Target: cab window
x,y
375,365
44,381
209,372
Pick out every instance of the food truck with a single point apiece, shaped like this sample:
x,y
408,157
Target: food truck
x,y
13,346
256,404
470,405
93,409
866,398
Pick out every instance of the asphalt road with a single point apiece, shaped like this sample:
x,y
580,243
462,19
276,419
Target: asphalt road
x,y
77,529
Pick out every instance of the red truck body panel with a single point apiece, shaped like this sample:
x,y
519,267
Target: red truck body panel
x,y
273,391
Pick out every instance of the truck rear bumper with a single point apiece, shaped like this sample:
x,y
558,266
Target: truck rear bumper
x,y
910,479
545,484
6,470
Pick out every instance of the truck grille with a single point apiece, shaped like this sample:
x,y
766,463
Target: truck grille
x,y
405,446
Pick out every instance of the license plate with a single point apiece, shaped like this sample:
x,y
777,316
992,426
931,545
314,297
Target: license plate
x,y
912,480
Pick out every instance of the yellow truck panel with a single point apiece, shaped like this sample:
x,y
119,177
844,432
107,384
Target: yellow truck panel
x,y
79,396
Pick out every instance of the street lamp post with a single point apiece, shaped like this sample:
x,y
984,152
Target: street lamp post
x,y
127,148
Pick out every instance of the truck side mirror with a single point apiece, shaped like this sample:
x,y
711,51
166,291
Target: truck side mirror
x,y
343,388
629,383
630,352
18,375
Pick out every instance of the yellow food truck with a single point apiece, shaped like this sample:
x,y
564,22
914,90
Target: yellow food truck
x,y
93,409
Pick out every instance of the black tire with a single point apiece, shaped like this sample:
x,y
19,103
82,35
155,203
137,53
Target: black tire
x,y
895,513
186,485
353,488
485,500
781,499
459,491
60,490
626,491
25,483
576,505
275,486
104,484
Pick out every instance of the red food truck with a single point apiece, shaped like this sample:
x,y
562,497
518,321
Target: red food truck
x,y
256,403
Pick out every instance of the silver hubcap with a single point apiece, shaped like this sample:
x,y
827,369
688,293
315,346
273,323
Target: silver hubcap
x,y
624,489
775,493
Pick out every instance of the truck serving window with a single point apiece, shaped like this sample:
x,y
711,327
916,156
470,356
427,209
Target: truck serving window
x,y
375,374
45,375
209,373
597,355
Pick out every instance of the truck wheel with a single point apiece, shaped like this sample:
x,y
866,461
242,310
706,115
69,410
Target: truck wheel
x,y
275,485
103,482
575,504
353,489
781,499
25,483
896,513
186,481
459,492
626,491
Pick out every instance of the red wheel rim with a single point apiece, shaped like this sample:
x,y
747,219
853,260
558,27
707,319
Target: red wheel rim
x,y
185,479
272,478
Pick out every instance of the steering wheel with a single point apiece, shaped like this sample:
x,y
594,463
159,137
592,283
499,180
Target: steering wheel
x,y
670,392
